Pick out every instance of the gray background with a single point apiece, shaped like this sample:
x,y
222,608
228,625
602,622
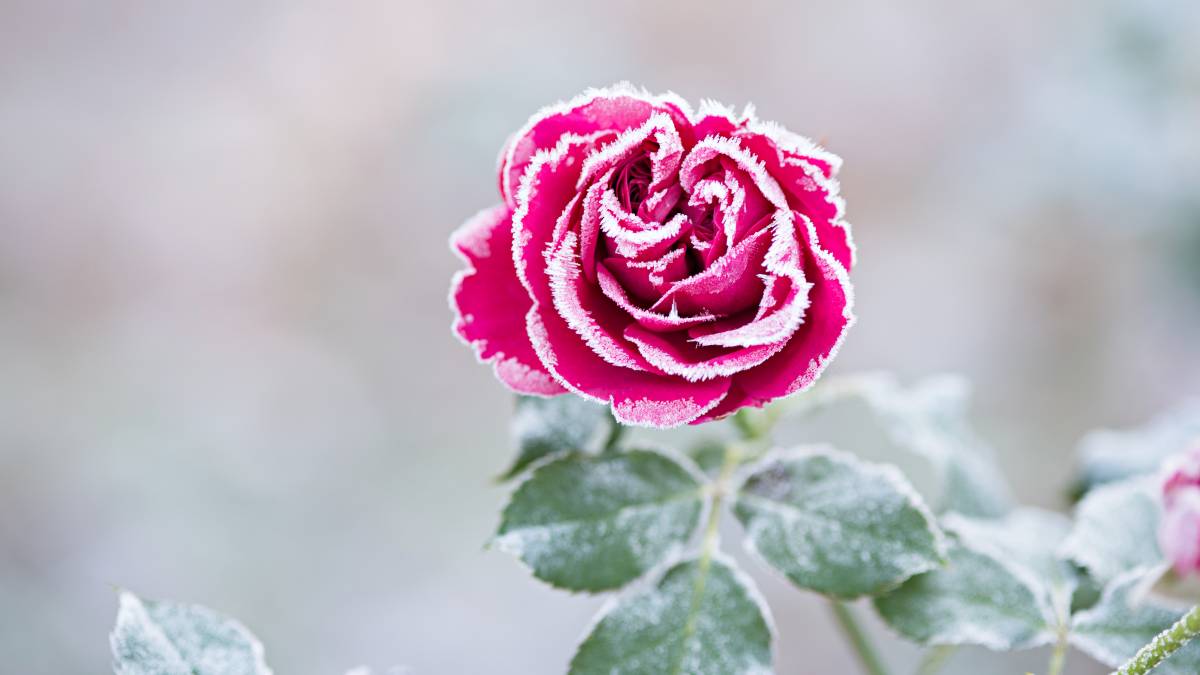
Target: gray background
x,y
226,373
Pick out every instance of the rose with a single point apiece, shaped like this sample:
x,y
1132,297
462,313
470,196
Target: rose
x,y
676,265
1179,531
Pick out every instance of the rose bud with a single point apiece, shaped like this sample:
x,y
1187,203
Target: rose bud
x,y
1179,531
676,265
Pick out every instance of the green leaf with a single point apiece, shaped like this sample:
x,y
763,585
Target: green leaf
x,y
709,455
927,421
597,522
1115,529
1111,455
835,524
1026,539
976,599
1124,621
701,618
162,638
544,426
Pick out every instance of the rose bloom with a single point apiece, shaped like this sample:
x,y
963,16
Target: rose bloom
x,y
676,265
1179,531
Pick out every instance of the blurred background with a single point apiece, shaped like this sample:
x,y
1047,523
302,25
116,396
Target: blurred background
x,y
226,369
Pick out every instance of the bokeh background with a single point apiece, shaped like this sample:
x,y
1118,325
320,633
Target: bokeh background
x,y
226,370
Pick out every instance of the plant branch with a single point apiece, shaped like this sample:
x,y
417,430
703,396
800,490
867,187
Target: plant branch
x,y
857,638
1058,657
935,659
1164,645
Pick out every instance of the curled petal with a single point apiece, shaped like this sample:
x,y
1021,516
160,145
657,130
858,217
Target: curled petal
x,y
809,183
814,344
489,302
636,397
729,285
614,108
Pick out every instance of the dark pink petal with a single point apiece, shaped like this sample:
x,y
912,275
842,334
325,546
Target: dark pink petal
x,y
729,285
545,203
652,320
671,354
816,341
636,397
489,303
784,299
647,280
734,400
664,161
811,191
594,318
617,108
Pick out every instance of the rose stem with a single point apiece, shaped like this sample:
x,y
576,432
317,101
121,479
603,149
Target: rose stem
x,y
1164,644
1058,657
857,638
935,659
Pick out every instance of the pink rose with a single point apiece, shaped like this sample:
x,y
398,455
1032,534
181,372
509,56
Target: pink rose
x,y
1179,531
677,265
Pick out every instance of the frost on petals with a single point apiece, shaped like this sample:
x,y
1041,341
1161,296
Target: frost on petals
x,y
676,265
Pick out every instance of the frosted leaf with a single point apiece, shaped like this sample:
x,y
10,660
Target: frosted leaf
x,y
836,525
1124,620
1027,540
708,454
699,619
594,523
975,600
927,420
1109,455
162,638
543,426
1116,528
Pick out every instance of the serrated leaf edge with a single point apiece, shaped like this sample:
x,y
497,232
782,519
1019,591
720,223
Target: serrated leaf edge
x,y
672,553
887,471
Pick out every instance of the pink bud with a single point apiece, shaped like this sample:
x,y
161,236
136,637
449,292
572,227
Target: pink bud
x,y
1179,531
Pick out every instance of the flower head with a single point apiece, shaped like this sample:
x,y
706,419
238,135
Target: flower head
x,y
676,265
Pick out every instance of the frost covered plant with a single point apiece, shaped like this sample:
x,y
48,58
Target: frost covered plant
x,y
659,267
675,264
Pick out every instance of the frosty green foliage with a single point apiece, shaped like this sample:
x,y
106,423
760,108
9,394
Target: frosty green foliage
x,y
708,454
701,618
162,638
1115,529
597,522
976,599
837,525
1110,455
544,426
1124,621
929,420
1026,540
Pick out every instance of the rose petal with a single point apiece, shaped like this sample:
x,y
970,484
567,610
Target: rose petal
x,y
615,108
651,320
812,190
647,280
636,397
694,363
814,344
489,303
729,285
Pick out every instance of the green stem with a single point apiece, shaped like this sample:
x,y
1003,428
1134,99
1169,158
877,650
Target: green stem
x,y
935,659
858,639
1058,657
1164,644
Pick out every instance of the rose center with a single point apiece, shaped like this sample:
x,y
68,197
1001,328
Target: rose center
x,y
631,182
